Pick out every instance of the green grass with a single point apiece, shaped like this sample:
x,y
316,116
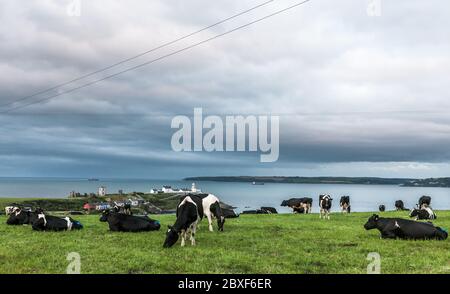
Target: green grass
x,y
250,244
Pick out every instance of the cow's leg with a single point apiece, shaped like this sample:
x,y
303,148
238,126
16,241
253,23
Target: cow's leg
x,y
209,217
183,238
193,230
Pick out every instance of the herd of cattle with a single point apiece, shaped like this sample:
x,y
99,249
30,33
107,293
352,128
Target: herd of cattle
x,y
192,208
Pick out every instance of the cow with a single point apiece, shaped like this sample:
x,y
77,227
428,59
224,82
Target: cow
x,y
399,205
382,208
229,213
392,228
211,209
120,222
424,201
269,210
344,203
20,216
125,208
325,206
54,223
423,213
298,203
10,209
188,216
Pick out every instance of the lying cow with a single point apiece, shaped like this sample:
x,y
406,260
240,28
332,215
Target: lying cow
x,y
424,201
299,204
10,209
120,222
23,217
392,228
399,205
269,210
325,206
54,223
344,203
423,213
188,216
381,208
125,209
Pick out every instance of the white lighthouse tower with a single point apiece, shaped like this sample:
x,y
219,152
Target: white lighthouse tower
x,y
193,188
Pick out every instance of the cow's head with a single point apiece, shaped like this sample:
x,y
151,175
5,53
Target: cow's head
x,y
414,212
171,237
285,203
105,214
372,222
381,207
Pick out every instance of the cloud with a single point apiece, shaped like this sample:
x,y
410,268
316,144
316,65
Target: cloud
x,y
351,90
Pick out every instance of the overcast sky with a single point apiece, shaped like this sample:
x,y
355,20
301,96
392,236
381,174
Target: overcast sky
x,y
357,95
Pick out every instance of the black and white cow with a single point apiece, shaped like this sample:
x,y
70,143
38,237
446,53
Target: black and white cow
x,y
188,215
300,205
382,208
325,206
344,203
269,210
392,228
423,213
54,223
124,208
23,217
211,209
399,205
120,222
424,201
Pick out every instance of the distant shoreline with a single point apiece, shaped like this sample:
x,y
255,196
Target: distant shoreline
x,y
403,182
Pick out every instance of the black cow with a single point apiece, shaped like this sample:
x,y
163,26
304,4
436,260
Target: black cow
x,y
54,223
23,217
269,210
120,222
423,213
188,215
344,203
399,205
325,206
424,201
229,213
297,203
392,228
381,208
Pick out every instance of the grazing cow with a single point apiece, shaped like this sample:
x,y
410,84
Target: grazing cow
x,y
424,201
382,208
211,209
399,205
269,210
392,228
23,217
423,213
325,206
54,223
188,216
303,204
120,222
344,203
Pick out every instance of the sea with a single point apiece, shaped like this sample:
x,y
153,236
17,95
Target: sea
x,y
244,196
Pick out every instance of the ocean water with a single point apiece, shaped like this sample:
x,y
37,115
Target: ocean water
x,y
242,195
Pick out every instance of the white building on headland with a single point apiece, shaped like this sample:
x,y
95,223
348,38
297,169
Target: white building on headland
x,y
102,191
169,189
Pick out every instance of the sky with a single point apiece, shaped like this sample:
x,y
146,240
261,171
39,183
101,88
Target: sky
x,y
357,94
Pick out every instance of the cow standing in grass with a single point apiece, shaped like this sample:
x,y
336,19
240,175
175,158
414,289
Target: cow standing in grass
x,y
325,206
299,205
188,215
344,203
211,209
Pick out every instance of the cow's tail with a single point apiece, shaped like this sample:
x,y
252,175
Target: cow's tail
x,y
441,233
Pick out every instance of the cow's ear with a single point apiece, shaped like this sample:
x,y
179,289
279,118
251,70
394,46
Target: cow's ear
x,y
376,217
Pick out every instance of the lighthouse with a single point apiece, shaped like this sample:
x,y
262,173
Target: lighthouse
x,y
193,188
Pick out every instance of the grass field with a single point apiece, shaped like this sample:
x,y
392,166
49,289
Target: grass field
x,y
250,244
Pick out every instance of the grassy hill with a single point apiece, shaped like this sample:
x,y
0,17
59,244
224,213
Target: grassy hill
x,y
250,244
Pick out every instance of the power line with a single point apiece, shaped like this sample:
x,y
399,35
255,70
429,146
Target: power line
x,y
136,56
158,59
